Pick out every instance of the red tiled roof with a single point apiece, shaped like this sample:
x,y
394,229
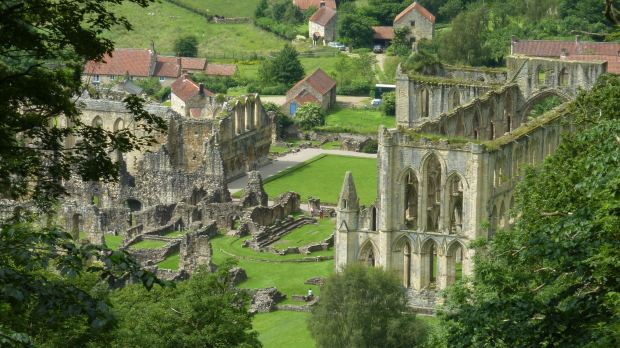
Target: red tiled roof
x,y
185,88
383,33
167,69
323,16
135,62
221,69
305,97
319,80
613,62
187,63
306,4
421,10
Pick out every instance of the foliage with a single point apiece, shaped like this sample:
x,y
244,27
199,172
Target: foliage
x,y
149,85
562,260
310,115
282,120
355,29
355,76
400,45
204,311
423,62
216,84
186,46
281,17
364,307
371,146
285,68
545,105
388,103
464,43
384,11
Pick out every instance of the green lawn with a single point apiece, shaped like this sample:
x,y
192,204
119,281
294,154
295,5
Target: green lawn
x,y
307,234
283,329
175,234
163,22
234,246
226,8
328,64
332,145
171,262
323,178
113,242
362,121
149,244
278,149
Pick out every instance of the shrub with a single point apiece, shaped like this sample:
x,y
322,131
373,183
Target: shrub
x,y
371,146
388,103
310,115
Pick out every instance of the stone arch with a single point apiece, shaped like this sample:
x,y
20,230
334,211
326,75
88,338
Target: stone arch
x,y
368,253
540,76
429,267
455,190
119,124
454,99
411,190
133,204
97,122
402,258
432,170
425,96
455,253
537,98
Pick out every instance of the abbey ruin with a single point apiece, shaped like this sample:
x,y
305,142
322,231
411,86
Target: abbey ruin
x,y
446,175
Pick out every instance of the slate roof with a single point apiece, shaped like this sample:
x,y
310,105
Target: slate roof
x,y
185,88
383,33
306,4
323,16
573,50
421,10
318,80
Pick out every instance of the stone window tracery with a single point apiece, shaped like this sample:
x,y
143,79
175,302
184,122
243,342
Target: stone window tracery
x,y
455,187
411,200
433,193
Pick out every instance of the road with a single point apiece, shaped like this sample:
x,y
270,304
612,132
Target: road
x,y
291,159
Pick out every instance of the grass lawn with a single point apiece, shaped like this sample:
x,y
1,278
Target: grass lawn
x,y
163,22
332,145
323,178
328,64
283,329
113,242
306,234
171,262
362,121
226,8
175,234
234,246
278,149
149,244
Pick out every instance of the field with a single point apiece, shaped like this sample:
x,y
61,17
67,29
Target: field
x,y
306,234
283,329
163,22
362,121
323,178
226,8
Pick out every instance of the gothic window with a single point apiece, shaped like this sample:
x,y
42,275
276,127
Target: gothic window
x,y
454,100
455,263
411,200
540,76
430,267
492,132
455,187
563,77
97,122
424,103
367,255
433,193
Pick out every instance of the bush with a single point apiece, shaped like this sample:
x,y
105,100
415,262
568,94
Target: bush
x,y
371,146
216,84
163,94
282,120
310,115
150,85
274,90
354,88
388,103
186,46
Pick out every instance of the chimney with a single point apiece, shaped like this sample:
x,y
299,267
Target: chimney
x,y
322,4
201,89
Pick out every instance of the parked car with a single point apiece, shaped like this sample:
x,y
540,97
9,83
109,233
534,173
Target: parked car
x,y
377,49
375,103
337,45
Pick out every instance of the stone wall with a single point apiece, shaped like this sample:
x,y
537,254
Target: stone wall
x,y
421,27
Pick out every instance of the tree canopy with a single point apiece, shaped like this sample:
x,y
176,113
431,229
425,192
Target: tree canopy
x,y
186,46
285,68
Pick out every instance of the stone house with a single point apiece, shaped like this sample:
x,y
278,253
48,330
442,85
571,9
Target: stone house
x,y
317,88
133,63
188,97
419,20
303,5
322,25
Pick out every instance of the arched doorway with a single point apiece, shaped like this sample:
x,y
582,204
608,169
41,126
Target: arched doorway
x,y
454,260
433,193
429,268
367,254
411,200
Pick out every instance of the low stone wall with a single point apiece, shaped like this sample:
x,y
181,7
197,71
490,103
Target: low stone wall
x,y
267,235
285,205
154,256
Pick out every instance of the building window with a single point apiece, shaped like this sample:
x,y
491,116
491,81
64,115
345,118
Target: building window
x,y
412,23
96,79
162,78
112,77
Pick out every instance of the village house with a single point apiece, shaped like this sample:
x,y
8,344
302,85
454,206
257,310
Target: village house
x,y
570,50
322,25
382,35
419,20
317,88
188,97
303,5
132,63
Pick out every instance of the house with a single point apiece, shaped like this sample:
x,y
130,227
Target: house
x,y
187,97
132,63
322,25
571,50
303,5
420,21
317,88
382,35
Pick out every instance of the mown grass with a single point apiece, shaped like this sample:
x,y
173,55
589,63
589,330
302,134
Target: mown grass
x,y
174,234
307,234
332,145
361,121
149,244
323,178
113,242
226,8
163,23
278,149
283,329
234,246
171,262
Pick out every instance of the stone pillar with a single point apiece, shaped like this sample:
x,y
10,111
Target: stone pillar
x,y
442,267
416,270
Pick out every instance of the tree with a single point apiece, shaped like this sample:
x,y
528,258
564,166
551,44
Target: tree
x,y
43,46
355,29
388,103
149,85
553,279
310,115
400,45
261,9
204,311
186,46
285,68
384,11
464,43
364,307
